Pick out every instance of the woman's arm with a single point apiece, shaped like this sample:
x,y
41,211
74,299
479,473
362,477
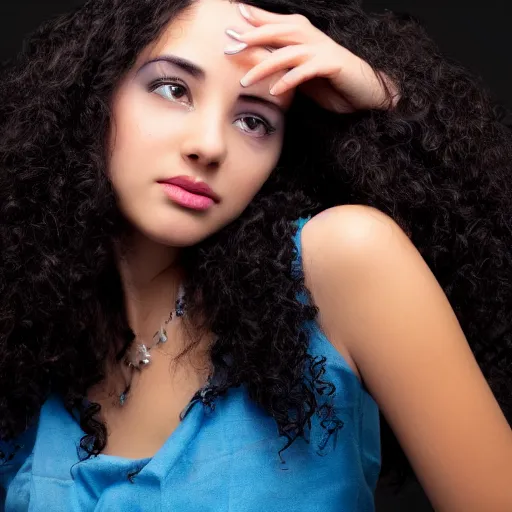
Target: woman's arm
x,y
383,310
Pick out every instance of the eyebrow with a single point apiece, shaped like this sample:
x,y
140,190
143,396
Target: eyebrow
x,y
184,64
262,101
197,72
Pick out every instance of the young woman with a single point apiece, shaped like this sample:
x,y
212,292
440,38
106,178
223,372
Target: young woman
x,y
221,228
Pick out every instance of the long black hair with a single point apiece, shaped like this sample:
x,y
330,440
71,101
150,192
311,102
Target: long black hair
x,y
439,164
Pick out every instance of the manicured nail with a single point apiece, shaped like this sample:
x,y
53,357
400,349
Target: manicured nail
x,y
276,88
244,11
246,80
234,35
237,48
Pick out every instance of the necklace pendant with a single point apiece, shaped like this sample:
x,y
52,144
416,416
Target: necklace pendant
x,y
142,356
180,307
180,304
162,336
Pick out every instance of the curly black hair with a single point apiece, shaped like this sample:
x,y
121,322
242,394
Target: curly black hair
x,y
439,164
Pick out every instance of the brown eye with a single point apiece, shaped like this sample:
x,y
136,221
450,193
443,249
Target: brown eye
x,y
172,91
177,91
255,126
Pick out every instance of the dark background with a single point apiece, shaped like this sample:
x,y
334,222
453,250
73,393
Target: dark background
x,y
479,37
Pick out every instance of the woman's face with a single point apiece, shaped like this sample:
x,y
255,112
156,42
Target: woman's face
x,y
190,147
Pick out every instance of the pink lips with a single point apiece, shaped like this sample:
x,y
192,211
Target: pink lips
x,y
185,192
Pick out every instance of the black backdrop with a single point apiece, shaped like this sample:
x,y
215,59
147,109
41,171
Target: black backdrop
x,y
478,37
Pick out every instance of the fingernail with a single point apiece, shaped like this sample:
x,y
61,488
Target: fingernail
x,y
244,11
275,88
232,50
244,82
234,35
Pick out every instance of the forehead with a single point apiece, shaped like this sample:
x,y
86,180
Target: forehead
x,y
198,34
204,23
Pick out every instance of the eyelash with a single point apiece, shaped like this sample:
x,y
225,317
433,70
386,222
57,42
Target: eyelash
x,y
167,80
173,80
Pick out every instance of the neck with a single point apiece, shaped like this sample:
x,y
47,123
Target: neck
x,y
150,274
142,261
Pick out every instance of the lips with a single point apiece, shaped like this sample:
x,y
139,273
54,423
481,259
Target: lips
x,y
194,187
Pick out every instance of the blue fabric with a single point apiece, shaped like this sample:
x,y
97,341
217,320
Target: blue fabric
x,y
221,460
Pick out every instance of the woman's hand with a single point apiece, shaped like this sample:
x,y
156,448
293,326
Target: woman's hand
x,y
334,77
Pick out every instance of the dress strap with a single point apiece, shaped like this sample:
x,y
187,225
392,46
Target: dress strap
x,y
300,223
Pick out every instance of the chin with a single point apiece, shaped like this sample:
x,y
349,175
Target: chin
x,y
176,227
177,237
179,230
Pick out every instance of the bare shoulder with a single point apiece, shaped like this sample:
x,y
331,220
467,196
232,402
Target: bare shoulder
x,y
350,253
352,217
383,310
352,237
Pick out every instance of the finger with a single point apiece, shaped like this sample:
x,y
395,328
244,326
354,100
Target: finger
x,y
276,35
281,60
297,76
322,91
258,17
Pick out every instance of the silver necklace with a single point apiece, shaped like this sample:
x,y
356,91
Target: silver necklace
x,y
140,358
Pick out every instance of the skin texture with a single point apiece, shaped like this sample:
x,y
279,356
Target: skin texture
x,y
378,302
331,75
189,125
202,133
101,264
384,311
169,122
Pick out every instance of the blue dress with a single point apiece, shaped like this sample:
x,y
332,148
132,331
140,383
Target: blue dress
x,y
221,460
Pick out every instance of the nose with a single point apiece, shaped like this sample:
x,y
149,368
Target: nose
x,y
205,143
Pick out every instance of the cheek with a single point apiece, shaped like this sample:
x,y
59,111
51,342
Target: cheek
x,y
140,138
251,172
